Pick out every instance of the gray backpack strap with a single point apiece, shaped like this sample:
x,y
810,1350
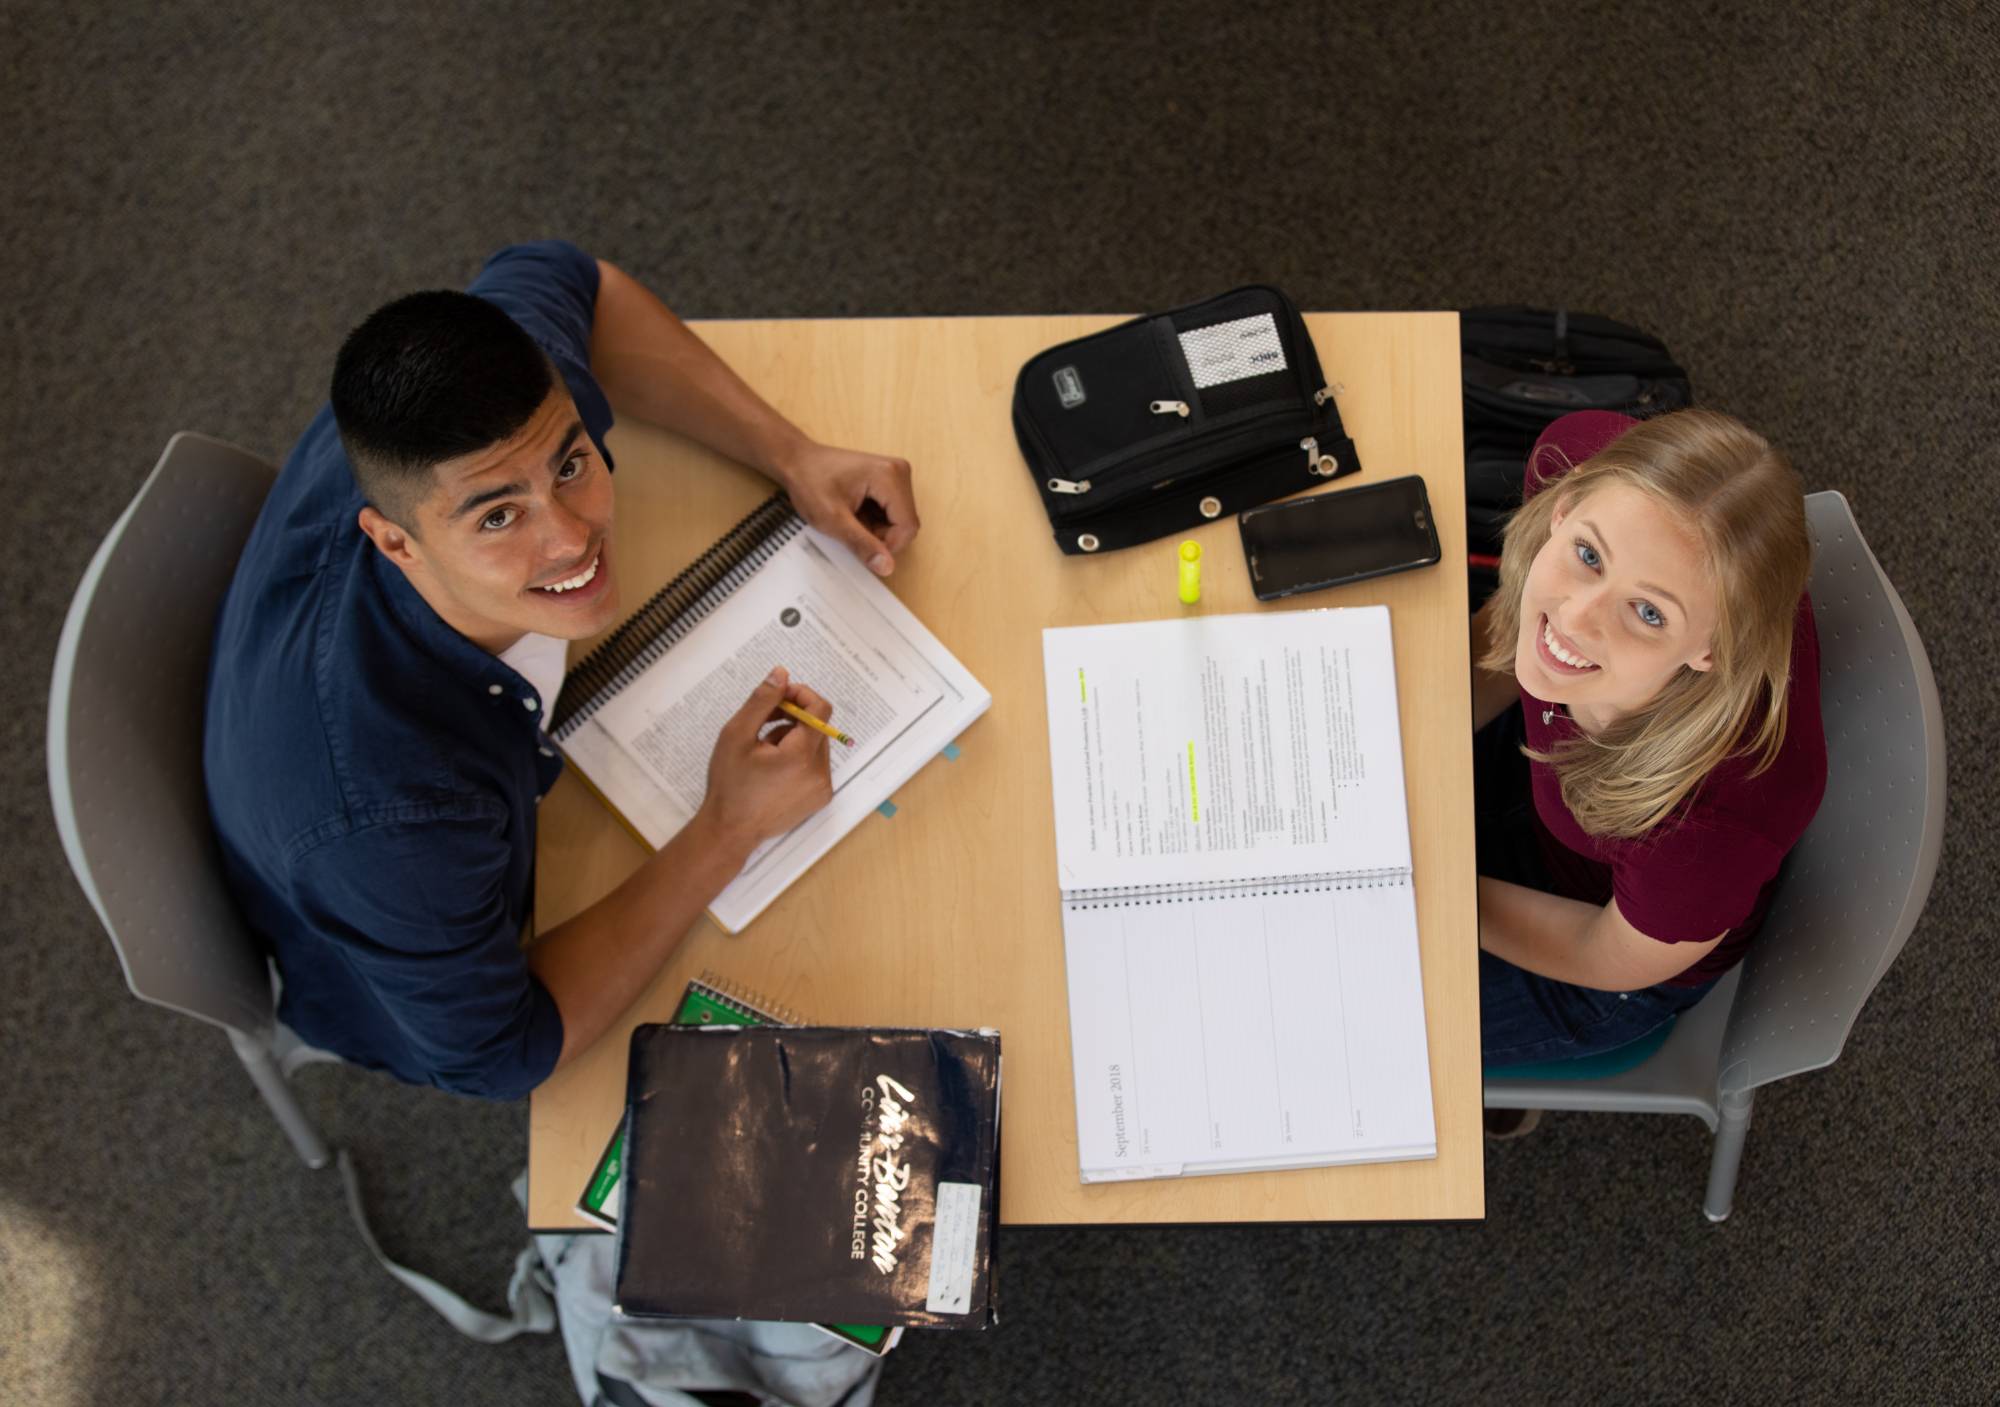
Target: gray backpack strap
x,y
530,1293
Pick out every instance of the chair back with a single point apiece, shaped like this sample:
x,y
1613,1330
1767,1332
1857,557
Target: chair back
x,y
1857,881
125,735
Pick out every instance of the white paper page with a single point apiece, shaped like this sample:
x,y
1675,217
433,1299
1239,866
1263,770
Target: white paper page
x,y
1256,1029
895,690
796,612
652,812
1225,748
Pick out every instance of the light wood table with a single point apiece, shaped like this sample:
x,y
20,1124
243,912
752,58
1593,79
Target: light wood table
x,y
947,914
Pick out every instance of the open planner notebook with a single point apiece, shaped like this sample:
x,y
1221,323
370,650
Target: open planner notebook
x,y
1233,846
638,717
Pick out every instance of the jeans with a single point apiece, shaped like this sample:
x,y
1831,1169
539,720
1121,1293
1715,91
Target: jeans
x,y
1525,1018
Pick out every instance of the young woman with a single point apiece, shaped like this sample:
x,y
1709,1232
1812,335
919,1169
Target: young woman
x,y
1646,687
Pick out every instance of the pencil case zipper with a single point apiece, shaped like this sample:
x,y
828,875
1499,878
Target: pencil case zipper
x,y
1253,479
1116,483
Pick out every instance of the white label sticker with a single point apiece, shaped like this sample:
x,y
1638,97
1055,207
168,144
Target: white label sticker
x,y
1232,351
954,1247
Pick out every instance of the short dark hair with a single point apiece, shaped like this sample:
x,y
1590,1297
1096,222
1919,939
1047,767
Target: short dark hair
x,y
427,378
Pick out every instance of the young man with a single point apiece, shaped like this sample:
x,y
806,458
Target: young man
x,y
394,639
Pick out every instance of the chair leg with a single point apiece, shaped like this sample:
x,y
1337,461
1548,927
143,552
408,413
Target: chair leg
x,y
1732,1126
284,1104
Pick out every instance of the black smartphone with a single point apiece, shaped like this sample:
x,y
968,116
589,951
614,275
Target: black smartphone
x,y
1330,539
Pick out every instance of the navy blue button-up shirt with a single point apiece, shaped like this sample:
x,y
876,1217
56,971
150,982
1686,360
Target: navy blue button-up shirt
x,y
373,774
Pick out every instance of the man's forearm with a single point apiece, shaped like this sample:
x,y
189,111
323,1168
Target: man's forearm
x,y
650,364
597,963
1543,933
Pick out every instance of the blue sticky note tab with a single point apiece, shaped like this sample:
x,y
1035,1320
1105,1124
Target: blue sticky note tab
x,y
951,752
887,808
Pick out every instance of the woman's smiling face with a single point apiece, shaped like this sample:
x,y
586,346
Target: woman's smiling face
x,y
1615,603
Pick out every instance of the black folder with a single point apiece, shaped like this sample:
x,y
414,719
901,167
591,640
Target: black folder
x,y
811,1173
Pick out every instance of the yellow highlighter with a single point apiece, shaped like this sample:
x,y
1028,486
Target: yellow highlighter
x,y
792,710
1190,563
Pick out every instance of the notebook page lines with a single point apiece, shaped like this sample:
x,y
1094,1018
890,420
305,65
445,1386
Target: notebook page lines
x,y
1271,1007
1231,1033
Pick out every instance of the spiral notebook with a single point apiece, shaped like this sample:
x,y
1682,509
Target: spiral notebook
x,y
1233,847
638,717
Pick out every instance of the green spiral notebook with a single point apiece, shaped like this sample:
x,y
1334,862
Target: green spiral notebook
x,y
710,1001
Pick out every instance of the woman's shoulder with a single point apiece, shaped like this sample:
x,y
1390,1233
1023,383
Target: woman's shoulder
x,y
1568,441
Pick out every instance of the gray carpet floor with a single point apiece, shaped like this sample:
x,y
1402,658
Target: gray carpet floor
x,y
200,201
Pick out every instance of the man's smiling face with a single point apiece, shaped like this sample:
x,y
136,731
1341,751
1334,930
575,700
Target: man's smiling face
x,y
515,537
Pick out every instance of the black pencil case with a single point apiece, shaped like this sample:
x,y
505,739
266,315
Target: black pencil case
x,y
1167,421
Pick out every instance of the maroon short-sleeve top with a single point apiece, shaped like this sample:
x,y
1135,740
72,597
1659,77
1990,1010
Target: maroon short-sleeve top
x,y
1712,864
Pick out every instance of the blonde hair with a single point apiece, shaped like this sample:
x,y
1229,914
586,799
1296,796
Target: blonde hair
x,y
1745,505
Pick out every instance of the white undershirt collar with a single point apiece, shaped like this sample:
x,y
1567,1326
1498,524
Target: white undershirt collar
x,y
542,660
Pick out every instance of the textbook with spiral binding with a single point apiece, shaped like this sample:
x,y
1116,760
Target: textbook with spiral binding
x,y
638,717
1233,847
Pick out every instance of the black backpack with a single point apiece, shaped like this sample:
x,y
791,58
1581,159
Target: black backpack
x,y
1523,368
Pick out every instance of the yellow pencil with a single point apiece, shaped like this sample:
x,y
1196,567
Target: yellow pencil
x,y
817,725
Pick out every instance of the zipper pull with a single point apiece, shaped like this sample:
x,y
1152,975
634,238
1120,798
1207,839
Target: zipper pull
x,y
1322,465
1179,408
1069,486
1322,395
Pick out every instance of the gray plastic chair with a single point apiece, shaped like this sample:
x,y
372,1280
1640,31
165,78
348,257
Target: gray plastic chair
x,y
1851,892
125,723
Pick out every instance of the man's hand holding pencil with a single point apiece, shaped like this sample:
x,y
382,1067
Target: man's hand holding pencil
x,y
761,784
